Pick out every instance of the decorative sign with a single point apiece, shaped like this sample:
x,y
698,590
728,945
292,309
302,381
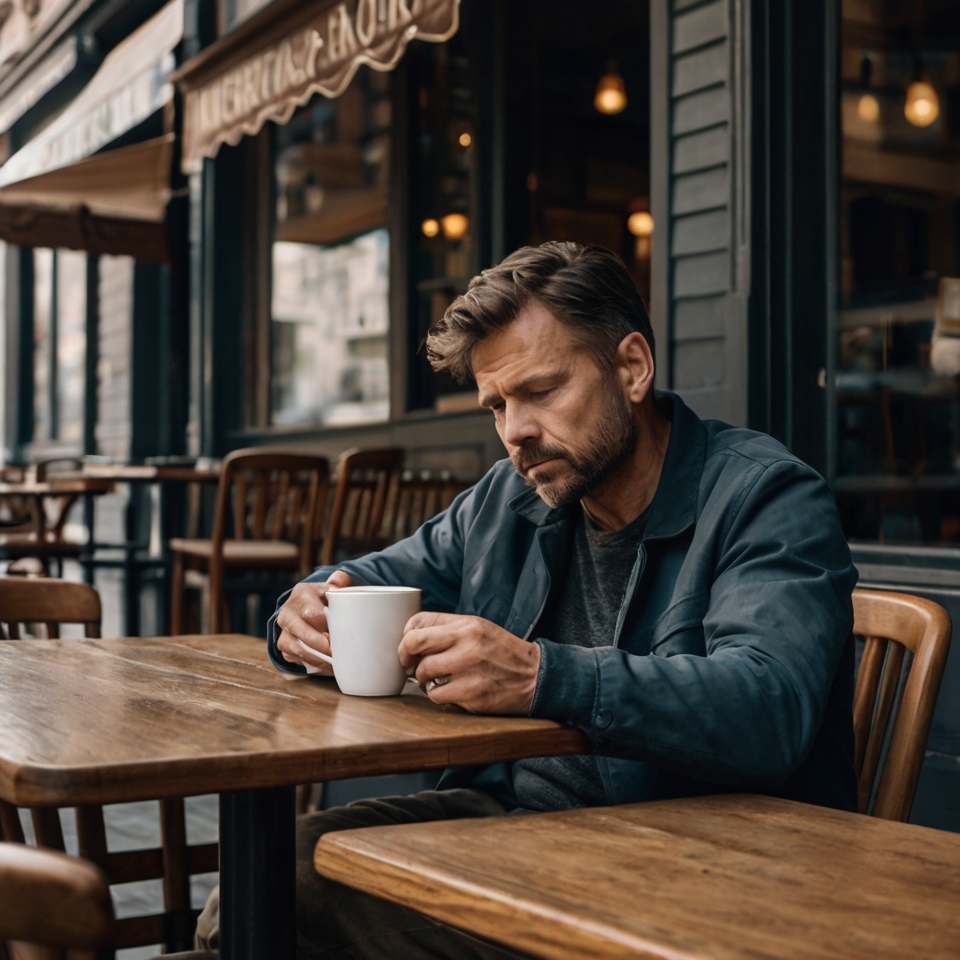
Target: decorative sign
x,y
38,83
321,57
132,83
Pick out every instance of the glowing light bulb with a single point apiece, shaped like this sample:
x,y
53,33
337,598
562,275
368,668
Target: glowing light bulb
x,y
430,227
455,226
868,108
611,95
640,224
923,104
465,139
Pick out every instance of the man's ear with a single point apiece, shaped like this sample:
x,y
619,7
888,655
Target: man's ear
x,y
634,365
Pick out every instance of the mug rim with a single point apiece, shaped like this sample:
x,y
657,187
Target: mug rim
x,y
373,588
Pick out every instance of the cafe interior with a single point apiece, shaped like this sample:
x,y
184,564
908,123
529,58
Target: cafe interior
x,y
226,228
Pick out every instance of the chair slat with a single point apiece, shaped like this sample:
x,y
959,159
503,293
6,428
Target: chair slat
x,y
868,677
11,829
47,828
240,505
886,694
280,518
260,504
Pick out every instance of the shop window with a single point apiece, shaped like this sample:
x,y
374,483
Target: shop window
x,y
60,343
329,262
562,168
898,377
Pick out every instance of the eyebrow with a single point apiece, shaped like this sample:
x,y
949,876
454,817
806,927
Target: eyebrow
x,y
524,384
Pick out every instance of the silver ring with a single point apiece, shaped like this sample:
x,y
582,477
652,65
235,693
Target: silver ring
x,y
438,682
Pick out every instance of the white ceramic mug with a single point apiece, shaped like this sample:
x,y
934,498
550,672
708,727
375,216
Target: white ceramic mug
x,y
366,626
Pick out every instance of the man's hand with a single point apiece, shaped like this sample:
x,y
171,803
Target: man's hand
x,y
490,670
304,617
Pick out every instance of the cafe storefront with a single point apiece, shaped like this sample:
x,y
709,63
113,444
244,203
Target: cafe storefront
x,y
340,169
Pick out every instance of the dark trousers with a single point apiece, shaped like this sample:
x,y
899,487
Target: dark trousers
x,y
336,922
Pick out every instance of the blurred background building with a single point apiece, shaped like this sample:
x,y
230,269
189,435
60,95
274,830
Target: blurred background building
x,y
228,224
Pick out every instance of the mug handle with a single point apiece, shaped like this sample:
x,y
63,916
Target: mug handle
x,y
316,653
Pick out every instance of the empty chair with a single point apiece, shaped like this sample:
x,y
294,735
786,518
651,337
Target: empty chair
x,y
895,697
272,502
364,480
36,524
414,499
56,602
50,902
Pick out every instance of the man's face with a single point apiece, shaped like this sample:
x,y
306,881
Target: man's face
x,y
565,425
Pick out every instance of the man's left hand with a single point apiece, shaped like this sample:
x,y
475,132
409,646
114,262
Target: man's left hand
x,y
490,670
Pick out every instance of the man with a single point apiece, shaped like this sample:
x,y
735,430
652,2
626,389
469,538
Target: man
x,y
678,589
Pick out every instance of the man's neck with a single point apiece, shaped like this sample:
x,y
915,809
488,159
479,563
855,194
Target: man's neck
x,y
630,490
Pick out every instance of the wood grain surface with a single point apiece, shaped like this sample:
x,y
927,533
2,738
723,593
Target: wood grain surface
x,y
722,877
103,721
56,487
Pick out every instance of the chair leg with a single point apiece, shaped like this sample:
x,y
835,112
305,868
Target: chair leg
x,y
218,617
176,596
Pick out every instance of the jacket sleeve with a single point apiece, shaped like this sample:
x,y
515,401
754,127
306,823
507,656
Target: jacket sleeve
x,y
779,615
431,559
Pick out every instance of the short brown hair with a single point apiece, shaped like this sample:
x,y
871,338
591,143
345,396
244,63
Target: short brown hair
x,y
587,288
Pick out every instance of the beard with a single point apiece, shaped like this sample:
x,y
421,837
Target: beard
x,y
580,472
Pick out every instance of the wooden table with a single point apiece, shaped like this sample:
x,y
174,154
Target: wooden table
x,y
146,530
104,721
726,878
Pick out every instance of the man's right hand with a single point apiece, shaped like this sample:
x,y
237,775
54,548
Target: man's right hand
x,y
304,617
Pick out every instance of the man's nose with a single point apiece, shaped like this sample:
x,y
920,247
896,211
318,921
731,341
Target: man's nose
x,y
519,425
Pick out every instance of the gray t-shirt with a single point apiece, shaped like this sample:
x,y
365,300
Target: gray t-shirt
x,y
583,611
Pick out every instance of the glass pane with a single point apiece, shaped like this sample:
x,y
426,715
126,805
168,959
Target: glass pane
x,y
330,300
42,332
71,342
444,80
330,322
898,383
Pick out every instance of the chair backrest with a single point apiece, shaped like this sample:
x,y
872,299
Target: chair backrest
x,y
364,478
53,900
56,602
53,602
413,500
893,624
269,494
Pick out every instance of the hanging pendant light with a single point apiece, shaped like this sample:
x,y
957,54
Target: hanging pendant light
x,y
868,107
923,105
611,95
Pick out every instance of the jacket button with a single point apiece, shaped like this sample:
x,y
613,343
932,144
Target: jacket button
x,y
602,741
603,718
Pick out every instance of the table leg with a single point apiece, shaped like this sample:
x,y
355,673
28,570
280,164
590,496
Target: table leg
x,y
258,908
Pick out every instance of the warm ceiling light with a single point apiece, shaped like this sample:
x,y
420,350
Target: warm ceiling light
x,y
868,108
923,104
430,227
611,95
455,226
465,139
640,224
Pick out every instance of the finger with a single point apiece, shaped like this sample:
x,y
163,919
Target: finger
x,y
430,618
294,651
422,642
313,631
448,663
339,579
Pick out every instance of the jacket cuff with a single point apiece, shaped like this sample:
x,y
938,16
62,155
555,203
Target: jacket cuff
x,y
568,684
273,635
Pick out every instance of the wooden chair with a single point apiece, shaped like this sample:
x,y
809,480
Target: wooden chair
x,y
55,602
36,526
893,707
364,478
413,500
50,902
274,502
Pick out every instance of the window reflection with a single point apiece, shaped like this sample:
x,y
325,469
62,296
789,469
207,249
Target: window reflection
x,y
898,457
330,259
71,342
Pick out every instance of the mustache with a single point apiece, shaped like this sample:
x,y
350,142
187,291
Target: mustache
x,y
535,453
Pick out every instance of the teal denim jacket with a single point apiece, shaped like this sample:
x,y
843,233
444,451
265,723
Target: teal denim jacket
x,y
732,664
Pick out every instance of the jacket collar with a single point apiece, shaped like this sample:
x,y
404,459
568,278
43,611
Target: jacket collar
x,y
674,506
